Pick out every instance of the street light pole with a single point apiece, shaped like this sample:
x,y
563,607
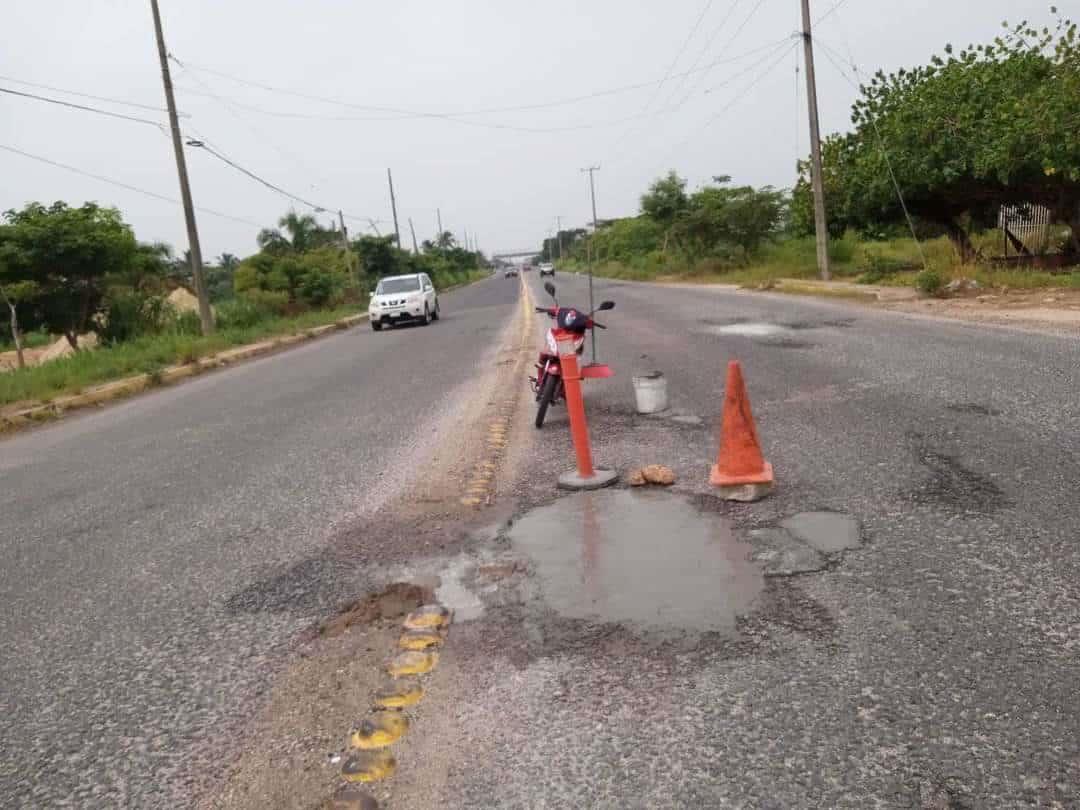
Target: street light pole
x,y
206,316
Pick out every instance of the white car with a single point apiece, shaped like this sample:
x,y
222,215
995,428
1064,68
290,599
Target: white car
x,y
398,299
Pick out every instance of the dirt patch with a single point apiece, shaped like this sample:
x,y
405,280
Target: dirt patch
x,y
391,602
295,746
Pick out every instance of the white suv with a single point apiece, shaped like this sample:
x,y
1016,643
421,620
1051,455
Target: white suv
x,y
403,298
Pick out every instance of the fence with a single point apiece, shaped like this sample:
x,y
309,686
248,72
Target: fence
x,y
1026,226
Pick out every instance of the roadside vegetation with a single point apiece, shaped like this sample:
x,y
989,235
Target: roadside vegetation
x,y
989,127
79,275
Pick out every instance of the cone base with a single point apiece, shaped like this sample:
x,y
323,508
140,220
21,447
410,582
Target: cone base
x,y
744,493
718,479
598,480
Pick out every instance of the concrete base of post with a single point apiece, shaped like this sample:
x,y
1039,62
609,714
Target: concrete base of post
x,y
598,480
745,493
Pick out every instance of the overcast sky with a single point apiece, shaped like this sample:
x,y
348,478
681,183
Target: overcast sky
x,y
414,77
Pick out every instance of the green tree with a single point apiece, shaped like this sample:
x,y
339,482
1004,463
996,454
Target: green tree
x,y
304,234
741,216
993,124
69,253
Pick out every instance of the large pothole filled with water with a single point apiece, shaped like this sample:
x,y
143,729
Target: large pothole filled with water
x,y
645,558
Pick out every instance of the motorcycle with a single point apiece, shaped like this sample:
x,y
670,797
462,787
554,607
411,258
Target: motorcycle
x,y
547,385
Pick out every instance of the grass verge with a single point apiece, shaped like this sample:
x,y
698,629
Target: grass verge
x,y
148,355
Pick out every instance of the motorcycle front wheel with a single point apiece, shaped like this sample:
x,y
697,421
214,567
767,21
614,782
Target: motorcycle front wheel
x,y
547,396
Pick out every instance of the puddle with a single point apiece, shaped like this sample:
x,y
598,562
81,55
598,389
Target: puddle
x,y
648,558
749,329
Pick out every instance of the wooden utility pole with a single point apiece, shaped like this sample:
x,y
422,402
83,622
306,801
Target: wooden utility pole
x,y
415,249
592,192
206,315
817,179
393,207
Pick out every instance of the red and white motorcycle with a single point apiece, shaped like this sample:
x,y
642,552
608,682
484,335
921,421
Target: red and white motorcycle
x,y
548,382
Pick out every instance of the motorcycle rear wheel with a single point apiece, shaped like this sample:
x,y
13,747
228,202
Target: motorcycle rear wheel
x,y
547,396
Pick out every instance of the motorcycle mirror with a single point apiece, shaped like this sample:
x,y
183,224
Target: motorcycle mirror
x,y
606,305
550,288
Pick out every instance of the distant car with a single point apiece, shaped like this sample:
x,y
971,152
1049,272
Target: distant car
x,y
525,268
547,270
401,299
511,272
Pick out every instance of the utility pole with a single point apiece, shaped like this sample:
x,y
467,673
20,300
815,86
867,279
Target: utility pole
x,y
206,315
415,249
817,179
558,235
592,192
393,207
438,215
345,242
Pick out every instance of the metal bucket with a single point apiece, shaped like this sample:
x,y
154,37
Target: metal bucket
x,y
650,392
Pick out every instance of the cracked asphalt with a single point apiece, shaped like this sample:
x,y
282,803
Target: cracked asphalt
x,y
935,665
158,558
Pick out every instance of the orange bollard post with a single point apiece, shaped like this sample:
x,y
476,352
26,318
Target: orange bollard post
x,y
585,476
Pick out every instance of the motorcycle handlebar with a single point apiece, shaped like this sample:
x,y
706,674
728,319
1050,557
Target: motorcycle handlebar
x,y
598,325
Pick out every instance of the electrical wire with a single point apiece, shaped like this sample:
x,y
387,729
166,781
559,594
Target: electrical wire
x,y
830,12
678,55
126,186
705,48
403,115
95,110
254,131
740,95
854,82
728,44
121,102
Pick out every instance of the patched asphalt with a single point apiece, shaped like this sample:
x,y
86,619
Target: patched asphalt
x,y
158,557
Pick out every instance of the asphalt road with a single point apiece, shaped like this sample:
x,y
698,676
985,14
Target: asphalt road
x,y
937,665
157,556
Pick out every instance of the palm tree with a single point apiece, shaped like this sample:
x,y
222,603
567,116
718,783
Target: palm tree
x,y
304,234
228,262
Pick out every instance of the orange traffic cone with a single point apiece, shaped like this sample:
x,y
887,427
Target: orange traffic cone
x,y
741,472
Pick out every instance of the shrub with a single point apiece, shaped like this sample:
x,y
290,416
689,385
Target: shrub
x,y
929,282
129,314
269,302
188,323
240,313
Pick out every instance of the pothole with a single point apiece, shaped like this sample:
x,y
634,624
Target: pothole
x,y
645,558
973,408
391,602
786,343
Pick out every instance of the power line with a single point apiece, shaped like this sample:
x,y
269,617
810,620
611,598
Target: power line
x,y
730,42
742,93
255,132
829,52
121,102
705,48
678,56
830,12
120,184
403,115
95,110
